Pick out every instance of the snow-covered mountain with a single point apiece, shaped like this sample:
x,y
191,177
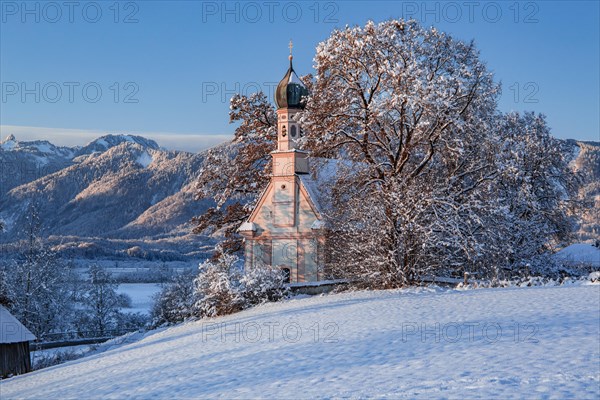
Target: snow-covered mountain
x,y
108,141
116,188
23,162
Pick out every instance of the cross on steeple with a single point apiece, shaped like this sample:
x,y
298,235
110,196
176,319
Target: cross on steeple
x,y
291,46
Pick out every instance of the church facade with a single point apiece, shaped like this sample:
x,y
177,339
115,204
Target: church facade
x,y
286,227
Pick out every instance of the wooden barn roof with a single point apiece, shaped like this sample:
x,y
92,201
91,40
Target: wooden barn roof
x,y
11,330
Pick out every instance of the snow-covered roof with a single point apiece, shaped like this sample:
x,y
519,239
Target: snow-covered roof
x,y
580,253
324,172
318,224
247,226
11,330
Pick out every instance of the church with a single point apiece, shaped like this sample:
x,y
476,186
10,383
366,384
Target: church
x,y
286,229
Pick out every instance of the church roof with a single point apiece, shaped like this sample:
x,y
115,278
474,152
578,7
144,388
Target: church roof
x,y
318,184
290,91
11,330
247,226
324,173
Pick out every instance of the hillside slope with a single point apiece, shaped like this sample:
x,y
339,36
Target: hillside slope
x,y
489,343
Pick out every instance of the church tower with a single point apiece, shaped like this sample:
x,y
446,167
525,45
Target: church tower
x,y
288,160
284,230
289,98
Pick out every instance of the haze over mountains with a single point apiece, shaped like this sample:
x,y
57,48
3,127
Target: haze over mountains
x,y
122,196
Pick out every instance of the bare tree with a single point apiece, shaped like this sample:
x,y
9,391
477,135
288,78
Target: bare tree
x,y
234,174
101,301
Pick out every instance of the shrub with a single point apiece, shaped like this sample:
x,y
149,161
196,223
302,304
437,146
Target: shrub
x,y
263,283
175,302
220,288
217,287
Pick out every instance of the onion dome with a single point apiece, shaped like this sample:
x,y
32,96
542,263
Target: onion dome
x,y
291,91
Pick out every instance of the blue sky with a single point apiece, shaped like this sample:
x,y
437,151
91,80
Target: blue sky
x,y
167,69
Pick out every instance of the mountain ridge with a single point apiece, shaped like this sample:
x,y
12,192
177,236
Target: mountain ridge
x,y
116,187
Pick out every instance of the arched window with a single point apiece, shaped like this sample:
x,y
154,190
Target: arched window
x,y
286,274
293,131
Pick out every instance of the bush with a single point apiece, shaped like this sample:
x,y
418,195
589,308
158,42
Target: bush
x,y
49,359
175,302
127,322
220,288
217,287
263,283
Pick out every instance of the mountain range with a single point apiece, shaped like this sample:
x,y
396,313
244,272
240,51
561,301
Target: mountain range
x,y
118,195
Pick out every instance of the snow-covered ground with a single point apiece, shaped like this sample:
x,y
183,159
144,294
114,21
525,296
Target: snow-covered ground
x,y
537,342
141,294
580,253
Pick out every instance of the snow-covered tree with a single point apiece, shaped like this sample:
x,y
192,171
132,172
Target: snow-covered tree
x,y
101,302
410,106
235,173
36,280
175,302
5,290
535,190
217,287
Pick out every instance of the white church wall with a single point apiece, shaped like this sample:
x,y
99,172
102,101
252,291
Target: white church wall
x,y
285,253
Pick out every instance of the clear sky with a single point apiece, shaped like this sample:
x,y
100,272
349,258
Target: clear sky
x,y
71,71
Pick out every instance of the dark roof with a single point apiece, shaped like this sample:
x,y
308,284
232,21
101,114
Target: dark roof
x,y
290,91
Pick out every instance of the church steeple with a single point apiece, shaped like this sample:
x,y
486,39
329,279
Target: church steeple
x,y
290,92
290,99
281,230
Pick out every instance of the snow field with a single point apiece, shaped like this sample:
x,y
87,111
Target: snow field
x,y
141,294
392,344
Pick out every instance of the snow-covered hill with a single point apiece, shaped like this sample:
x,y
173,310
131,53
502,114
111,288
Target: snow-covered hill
x,y
537,342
